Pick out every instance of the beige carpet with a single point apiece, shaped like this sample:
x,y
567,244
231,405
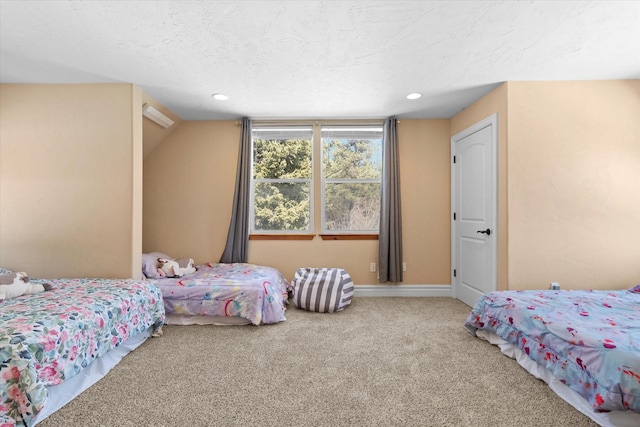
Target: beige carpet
x,y
380,362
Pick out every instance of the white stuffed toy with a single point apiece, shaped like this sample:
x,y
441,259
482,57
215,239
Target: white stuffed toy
x,y
176,267
15,284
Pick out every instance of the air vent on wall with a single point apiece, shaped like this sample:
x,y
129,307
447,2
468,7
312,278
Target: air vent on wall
x,y
156,116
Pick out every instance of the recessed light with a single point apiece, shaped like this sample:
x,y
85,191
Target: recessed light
x,y
220,96
414,95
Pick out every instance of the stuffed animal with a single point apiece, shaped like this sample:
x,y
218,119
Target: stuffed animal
x,y
15,284
176,267
151,266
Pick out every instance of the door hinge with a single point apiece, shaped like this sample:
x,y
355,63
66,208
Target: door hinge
x,y
454,159
454,273
454,216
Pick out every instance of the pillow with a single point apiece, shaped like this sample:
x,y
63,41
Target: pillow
x,y
324,290
150,265
635,289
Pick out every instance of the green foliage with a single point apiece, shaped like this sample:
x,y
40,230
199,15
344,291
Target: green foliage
x,y
354,159
352,205
282,169
281,158
282,205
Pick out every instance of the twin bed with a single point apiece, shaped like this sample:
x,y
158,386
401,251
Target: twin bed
x,y
237,293
584,344
55,344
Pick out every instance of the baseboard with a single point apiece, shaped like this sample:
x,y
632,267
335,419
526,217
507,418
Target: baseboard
x,y
402,291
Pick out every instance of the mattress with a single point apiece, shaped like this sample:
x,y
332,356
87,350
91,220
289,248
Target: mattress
x,y
604,419
51,337
258,294
588,340
63,393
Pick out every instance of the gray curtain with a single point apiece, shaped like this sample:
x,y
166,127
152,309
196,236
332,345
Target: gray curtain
x,y
238,236
390,234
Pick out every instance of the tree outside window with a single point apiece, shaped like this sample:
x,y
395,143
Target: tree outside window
x,y
282,179
351,175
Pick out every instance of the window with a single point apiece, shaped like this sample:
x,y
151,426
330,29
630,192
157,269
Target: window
x,y
282,186
351,178
282,179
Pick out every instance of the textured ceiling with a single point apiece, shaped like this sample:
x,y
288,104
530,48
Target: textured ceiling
x,y
317,59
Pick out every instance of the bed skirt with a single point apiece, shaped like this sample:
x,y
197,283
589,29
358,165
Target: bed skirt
x,y
605,419
61,394
177,319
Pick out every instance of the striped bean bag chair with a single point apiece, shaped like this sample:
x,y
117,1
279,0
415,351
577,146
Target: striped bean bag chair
x,y
323,290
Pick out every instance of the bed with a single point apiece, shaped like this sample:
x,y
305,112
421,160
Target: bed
x,y
584,344
224,294
57,343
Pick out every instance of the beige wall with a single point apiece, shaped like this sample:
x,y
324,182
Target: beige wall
x,y
574,184
188,192
425,156
71,187
568,180
137,150
67,181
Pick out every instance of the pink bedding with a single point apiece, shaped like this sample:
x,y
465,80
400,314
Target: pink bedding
x,y
248,291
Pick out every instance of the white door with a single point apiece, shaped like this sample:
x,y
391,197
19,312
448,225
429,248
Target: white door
x,y
474,206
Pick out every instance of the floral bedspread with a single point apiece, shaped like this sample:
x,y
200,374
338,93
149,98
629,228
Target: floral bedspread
x,y
590,340
253,292
49,337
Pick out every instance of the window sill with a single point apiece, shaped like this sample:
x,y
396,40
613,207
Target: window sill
x,y
311,236
281,236
349,236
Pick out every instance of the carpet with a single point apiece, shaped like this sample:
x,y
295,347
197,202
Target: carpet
x,y
380,362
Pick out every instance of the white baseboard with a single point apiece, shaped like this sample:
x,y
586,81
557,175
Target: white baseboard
x,y
402,291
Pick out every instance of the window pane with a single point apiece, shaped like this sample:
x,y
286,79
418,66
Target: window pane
x,y
352,206
281,206
352,155
282,153
282,132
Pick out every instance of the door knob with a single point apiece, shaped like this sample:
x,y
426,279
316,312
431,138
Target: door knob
x,y
487,232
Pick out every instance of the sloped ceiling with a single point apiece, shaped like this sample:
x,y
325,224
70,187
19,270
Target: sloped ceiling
x,y
318,59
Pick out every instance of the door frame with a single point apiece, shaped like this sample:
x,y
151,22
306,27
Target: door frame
x,y
492,121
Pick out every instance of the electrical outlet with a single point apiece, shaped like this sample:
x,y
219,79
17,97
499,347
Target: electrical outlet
x,y
372,267
404,266
554,286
